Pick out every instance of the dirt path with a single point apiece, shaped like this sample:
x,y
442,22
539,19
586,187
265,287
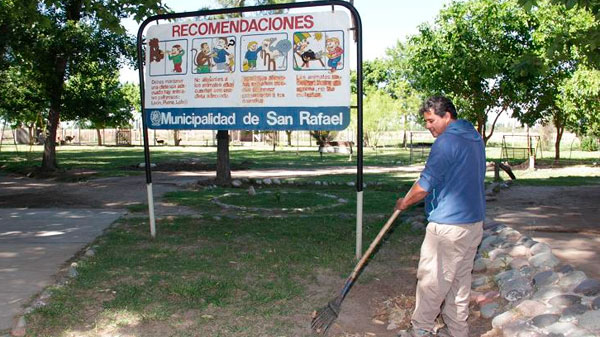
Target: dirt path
x,y
567,218
120,192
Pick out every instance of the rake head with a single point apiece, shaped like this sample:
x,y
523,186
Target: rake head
x,y
324,317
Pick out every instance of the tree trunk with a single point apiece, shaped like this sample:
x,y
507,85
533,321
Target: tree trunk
x,y
404,133
73,13
486,138
49,156
223,167
289,137
481,128
176,139
560,128
483,136
99,137
30,132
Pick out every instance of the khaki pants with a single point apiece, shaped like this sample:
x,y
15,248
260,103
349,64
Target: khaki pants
x,y
444,275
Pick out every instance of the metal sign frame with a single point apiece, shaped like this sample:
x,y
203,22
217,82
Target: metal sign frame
x,y
359,97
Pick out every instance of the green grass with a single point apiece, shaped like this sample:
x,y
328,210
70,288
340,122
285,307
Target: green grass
x,y
379,200
137,208
240,264
116,161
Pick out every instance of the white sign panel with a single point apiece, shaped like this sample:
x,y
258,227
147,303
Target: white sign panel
x,y
280,72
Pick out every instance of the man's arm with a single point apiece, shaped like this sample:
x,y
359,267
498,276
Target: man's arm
x,y
414,195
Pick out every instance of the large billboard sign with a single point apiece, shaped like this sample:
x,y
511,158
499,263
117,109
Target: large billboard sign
x,y
279,72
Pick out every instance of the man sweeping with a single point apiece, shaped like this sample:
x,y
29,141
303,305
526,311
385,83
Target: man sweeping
x,y
452,185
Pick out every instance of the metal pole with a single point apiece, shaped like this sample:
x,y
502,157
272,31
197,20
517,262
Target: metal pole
x,y
145,133
359,136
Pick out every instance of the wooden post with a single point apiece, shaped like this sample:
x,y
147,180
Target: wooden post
x,y
496,171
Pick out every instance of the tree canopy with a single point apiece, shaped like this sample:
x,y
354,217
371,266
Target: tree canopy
x,y
472,54
536,60
558,93
61,43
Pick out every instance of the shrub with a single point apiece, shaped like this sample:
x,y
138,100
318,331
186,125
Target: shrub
x,y
589,143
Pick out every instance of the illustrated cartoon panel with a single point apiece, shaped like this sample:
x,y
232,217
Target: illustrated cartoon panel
x,y
319,50
168,57
265,52
213,55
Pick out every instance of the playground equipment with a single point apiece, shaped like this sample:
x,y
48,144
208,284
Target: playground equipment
x,y
520,147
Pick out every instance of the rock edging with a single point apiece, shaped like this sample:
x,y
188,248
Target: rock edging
x,y
519,283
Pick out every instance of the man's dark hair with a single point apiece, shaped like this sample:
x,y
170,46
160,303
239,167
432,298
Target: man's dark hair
x,y
439,105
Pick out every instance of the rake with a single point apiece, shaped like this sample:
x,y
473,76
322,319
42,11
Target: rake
x,y
324,317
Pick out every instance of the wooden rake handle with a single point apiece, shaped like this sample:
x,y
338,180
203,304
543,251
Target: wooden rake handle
x,y
374,244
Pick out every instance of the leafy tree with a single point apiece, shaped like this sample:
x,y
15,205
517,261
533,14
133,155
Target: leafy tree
x,y
99,100
472,54
380,115
375,75
15,21
579,97
587,40
401,87
389,97
23,102
560,94
62,39
131,92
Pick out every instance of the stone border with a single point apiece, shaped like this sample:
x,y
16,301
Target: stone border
x,y
340,201
523,286
238,183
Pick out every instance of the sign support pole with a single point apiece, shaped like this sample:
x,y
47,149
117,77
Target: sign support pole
x,y
359,135
147,164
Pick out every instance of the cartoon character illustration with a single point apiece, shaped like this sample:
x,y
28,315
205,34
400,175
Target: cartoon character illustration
x,y
221,55
301,42
334,53
310,55
156,55
251,55
176,55
272,52
300,45
202,61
